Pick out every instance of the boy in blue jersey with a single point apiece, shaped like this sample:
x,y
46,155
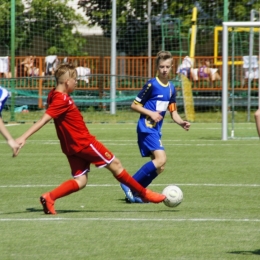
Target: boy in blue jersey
x,y
152,102
11,142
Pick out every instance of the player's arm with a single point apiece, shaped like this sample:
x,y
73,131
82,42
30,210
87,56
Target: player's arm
x,y
154,115
176,117
4,131
11,142
140,100
34,128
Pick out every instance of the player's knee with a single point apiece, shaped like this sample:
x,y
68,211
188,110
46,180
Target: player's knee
x,y
116,163
115,166
82,181
160,162
160,169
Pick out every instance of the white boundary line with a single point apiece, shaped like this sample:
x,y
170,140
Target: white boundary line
x,y
12,124
116,185
235,141
132,219
165,141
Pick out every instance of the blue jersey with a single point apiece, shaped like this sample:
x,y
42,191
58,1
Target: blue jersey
x,y
3,97
154,96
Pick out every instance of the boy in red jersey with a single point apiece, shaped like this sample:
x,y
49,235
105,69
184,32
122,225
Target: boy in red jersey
x,y
80,147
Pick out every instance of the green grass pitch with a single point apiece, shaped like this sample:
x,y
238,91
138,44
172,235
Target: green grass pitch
x,y
218,218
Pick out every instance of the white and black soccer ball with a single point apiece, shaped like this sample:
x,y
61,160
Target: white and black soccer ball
x,y
174,196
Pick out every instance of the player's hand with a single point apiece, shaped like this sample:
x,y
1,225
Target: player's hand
x,y
20,143
15,146
185,125
156,116
16,151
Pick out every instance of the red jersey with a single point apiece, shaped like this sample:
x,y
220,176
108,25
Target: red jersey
x,y
70,126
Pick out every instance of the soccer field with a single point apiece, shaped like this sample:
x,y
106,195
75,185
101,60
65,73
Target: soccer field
x,y
218,218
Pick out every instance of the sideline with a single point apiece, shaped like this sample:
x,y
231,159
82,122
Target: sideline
x,y
153,185
132,219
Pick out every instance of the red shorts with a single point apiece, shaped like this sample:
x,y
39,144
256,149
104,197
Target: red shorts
x,y
96,153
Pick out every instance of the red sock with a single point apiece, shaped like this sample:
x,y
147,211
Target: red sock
x,y
125,178
64,189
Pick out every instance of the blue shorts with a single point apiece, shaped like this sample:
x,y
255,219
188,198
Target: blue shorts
x,y
148,143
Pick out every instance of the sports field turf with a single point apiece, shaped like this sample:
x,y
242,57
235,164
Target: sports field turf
x,y
218,219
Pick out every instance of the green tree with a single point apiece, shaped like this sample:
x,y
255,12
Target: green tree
x,y
132,18
51,20
5,24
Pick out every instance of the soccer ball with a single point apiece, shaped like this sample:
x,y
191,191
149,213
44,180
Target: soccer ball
x,y
174,196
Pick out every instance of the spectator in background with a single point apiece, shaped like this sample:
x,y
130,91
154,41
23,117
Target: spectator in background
x,y
28,67
83,73
186,69
51,63
207,73
82,70
4,67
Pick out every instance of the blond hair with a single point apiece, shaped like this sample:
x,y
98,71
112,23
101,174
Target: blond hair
x,y
65,71
163,55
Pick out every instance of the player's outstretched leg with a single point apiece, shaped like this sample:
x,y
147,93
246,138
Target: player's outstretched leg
x,y
138,199
48,199
128,193
48,204
145,194
154,197
144,176
131,197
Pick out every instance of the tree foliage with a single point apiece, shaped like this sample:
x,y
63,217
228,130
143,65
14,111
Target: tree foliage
x,y
52,20
5,24
132,17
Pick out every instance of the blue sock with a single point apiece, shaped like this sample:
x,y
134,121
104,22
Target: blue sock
x,y
146,174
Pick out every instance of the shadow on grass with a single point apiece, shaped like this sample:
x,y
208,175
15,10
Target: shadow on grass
x,y
254,252
132,209
208,138
34,210
167,209
60,211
